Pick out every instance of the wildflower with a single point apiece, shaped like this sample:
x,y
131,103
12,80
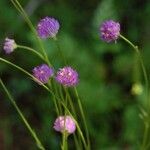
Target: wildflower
x,y
43,73
110,30
9,45
47,27
67,76
65,123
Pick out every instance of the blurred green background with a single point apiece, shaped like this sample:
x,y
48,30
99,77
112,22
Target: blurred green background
x,y
109,73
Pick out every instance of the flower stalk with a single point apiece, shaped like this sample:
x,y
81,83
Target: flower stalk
x,y
146,121
32,50
32,132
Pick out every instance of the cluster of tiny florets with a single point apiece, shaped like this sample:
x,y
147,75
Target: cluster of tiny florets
x,y
67,76
9,45
47,27
109,30
43,73
65,124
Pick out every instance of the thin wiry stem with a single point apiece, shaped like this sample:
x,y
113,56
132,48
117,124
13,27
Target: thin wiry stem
x,y
78,127
75,116
60,51
24,71
30,75
145,138
32,50
40,56
70,102
54,98
83,117
142,65
64,140
26,18
32,132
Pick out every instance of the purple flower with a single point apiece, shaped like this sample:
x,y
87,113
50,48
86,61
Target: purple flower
x,y
109,30
47,27
9,45
65,123
67,76
42,73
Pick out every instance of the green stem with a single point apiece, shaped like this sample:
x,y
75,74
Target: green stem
x,y
146,84
31,50
78,143
50,84
142,65
26,18
57,93
64,135
83,117
77,125
66,100
55,103
33,134
129,42
24,71
64,141
59,51
28,74
145,136
62,96
61,92
70,102
32,77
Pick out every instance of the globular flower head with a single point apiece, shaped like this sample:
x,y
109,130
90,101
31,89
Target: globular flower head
x,y
47,27
42,73
67,76
65,124
9,45
109,30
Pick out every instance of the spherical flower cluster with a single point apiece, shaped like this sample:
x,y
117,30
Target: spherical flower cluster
x,y
110,31
47,27
43,73
9,45
67,76
65,123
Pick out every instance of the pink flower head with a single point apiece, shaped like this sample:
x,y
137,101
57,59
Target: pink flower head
x,y
109,30
65,123
67,76
9,45
43,73
47,27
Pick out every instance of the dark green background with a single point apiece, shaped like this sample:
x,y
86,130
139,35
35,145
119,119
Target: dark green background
x,y
107,71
